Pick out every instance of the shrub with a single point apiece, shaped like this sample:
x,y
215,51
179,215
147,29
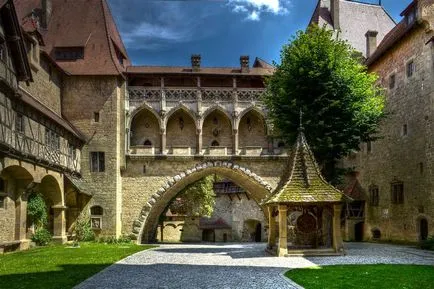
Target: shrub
x,y
37,210
124,239
83,230
42,237
427,244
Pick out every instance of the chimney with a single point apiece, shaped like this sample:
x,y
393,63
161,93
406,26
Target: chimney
x,y
45,13
244,62
334,11
371,42
195,62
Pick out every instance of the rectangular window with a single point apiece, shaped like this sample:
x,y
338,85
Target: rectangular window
x,y
410,68
52,139
96,116
392,81
374,196
19,123
397,193
404,129
97,162
69,53
421,168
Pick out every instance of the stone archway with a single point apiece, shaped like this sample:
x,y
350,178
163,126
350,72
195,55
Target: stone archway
x,y
145,226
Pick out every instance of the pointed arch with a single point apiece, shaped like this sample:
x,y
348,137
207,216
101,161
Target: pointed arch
x,y
145,124
216,107
257,110
142,107
180,107
217,127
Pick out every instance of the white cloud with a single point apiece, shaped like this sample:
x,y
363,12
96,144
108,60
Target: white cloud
x,y
254,8
155,31
254,16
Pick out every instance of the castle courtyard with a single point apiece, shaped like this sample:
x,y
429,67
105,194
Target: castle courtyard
x,y
243,266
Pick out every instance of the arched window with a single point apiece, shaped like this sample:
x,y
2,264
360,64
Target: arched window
x,y
215,143
96,211
376,234
147,143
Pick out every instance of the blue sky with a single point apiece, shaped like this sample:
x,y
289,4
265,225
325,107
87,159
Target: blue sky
x,y
158,32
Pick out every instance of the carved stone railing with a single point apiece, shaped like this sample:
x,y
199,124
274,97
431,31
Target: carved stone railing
x,y
214,94
248,94
177,94
140,94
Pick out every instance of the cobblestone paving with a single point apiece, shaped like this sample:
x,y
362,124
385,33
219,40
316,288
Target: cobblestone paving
x,y
233,266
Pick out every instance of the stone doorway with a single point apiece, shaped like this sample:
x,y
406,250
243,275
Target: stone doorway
x,y
258,231
208,235
423,229
358,231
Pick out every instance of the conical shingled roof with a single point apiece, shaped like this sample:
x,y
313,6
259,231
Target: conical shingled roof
x,y
305,183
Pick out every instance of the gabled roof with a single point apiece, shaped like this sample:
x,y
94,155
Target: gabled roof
x,y
305,183
79,23
260,63
355,19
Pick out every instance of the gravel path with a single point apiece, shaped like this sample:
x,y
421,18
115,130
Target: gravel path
x,y
234,266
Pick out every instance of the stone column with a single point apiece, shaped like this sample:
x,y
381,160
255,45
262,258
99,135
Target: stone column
x,y
59,230
271,228
337,237
235,142
282,250
21,215
199,96
163,95
163,141
199,142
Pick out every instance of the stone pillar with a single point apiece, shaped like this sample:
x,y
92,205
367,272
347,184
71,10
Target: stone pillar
x,y
199,97
282,250
21,216
271,228
163,95
59,230
337,237
163,141
199,142
235,142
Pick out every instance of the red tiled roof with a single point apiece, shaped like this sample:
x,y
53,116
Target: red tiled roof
x,y
80,23
203,70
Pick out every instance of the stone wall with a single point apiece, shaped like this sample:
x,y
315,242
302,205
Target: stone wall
x,y
404,152
138,187
47,84
83,97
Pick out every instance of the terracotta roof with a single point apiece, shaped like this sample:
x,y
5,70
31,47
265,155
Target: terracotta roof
x,y
305,183
205,223
390,39
80,23
203,70
353,189
260,63
30,100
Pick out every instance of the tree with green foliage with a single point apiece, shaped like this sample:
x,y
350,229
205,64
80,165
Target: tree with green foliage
x,y
341,103
197,199
37,212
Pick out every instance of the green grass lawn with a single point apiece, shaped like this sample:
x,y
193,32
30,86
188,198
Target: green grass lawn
x,y
365,276
60,266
